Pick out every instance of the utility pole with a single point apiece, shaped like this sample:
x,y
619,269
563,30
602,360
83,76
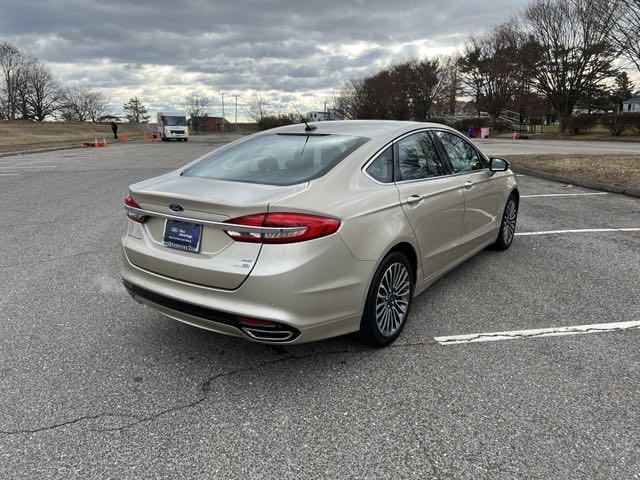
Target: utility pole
x,y
236,117
222,95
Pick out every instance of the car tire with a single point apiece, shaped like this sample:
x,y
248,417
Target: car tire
x,y
508,225
387,309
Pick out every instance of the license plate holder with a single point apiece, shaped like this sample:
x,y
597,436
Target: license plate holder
x,y
182,235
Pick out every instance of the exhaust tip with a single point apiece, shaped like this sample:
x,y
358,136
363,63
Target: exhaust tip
x,y
267,331
280,335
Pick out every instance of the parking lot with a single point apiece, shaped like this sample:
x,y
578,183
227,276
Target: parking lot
x,y
94,385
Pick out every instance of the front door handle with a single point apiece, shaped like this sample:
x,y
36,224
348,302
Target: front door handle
x,y
414,199
468,185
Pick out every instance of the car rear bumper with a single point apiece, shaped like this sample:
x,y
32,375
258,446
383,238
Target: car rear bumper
x,y
313,291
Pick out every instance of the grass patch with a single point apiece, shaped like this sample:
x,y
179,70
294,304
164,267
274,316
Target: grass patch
x,y
621,170
26,135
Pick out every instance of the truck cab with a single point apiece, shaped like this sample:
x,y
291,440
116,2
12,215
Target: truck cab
x,y
173,125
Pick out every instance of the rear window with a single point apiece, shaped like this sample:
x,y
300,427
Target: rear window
x,y
277,159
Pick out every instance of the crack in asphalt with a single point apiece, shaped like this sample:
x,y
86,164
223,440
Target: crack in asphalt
x,y
53,259
205,388
547,333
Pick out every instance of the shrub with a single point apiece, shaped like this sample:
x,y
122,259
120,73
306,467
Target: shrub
x,y
273,121
502,126
616,123
632,119
582,123
440,120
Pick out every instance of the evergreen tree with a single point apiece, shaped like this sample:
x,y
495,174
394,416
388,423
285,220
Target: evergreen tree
x,y
135,111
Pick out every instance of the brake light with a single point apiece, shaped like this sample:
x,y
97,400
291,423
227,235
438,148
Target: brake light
x,y
130,202
299,227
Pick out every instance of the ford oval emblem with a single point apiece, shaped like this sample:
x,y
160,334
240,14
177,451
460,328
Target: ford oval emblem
x,y
176,207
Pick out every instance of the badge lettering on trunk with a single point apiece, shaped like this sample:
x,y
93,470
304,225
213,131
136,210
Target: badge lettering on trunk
x,y
176,207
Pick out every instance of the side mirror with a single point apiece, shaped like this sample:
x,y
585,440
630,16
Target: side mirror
x,y
497,164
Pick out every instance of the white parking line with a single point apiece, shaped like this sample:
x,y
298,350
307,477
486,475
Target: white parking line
x,y
564,194
539,332
28,166
19,167
582,230
9,174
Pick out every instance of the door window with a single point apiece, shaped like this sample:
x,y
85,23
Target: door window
x,y
418,158
462,155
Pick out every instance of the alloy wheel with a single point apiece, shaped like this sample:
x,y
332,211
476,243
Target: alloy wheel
x,y
392,300
509,222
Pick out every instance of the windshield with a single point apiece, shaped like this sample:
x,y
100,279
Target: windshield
x,y
277,159
174,121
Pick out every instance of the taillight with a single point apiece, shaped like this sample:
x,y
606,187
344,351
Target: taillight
x,y
130,202
296,227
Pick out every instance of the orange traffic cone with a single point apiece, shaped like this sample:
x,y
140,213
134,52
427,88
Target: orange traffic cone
x,y
104,142
123,138
144,135
95,142
514,136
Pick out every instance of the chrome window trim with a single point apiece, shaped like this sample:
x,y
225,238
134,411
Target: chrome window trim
x,y
210,223
412,132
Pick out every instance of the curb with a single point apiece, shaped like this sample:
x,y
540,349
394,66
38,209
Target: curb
x,y
71,146
630,191
40,150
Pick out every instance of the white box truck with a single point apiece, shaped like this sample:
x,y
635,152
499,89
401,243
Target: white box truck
x,y
173,125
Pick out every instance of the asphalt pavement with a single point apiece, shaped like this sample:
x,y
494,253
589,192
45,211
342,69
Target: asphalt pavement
x,y
94,385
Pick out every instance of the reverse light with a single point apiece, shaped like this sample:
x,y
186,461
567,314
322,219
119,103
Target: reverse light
x,y
130,202
299,227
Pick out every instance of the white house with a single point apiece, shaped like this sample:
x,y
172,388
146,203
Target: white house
x,y
330,114
631,105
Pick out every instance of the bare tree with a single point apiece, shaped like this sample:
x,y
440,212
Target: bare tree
x,y
11,60
258,108
196,105
626,32
350,100
452,87
44,93
79,104
492,68
574,49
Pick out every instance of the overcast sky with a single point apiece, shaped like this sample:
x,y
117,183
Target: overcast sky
x,y
289,50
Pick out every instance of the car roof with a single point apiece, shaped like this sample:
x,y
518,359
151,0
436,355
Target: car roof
x,y
361,128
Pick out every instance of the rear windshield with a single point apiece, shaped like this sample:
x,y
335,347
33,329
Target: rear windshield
x,y
277,159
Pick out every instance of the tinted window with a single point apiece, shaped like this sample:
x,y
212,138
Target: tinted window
x,y
462,155
277,159
382,167
418,158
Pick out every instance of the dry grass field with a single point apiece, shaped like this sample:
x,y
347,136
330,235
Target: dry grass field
x,y
30,135
621,170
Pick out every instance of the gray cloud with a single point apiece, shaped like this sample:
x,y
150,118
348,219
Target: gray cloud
x,y
293,50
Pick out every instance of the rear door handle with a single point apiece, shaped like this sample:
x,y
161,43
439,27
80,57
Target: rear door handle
x,y
468,185
414,199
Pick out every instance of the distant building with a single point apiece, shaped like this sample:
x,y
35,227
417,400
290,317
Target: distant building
x,y
330,114
631,105
210,124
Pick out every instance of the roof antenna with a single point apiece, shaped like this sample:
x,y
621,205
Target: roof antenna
x,y
308,128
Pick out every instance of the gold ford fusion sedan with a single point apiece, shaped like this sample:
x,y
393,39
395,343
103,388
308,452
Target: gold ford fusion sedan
x,y
307,232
